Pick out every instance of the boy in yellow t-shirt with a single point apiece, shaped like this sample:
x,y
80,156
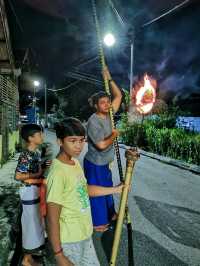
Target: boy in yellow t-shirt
x,y
68,207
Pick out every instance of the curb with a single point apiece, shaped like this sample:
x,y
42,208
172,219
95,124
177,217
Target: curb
x,y
183,165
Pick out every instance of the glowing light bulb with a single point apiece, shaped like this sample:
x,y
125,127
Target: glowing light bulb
x,y
109,39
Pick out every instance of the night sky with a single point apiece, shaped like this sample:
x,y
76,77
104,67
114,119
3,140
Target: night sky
x,y
61,35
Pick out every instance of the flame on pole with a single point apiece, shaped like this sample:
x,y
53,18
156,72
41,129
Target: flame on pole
x,y
144,95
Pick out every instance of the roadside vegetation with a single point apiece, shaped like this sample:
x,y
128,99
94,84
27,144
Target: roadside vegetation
x,y
159,134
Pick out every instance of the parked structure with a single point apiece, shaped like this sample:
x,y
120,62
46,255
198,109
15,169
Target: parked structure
x,y
189,123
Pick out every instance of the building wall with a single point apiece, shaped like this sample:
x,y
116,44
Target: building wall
x,y
9,114
8,91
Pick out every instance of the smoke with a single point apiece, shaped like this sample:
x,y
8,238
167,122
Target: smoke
x,y
170,51
167,49
177,83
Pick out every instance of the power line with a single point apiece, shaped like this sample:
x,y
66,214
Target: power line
x,y
121,21
166,13
80,78
88,81
151,21
64,88
83,77
86,75
87,62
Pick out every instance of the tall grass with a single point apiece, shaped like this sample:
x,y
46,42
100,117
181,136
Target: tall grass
x,y
160,136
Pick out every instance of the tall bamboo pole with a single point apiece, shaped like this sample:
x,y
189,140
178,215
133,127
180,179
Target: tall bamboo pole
x,y
106,85
102,60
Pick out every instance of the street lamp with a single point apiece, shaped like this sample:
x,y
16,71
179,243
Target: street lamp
x,y
36,84
109,41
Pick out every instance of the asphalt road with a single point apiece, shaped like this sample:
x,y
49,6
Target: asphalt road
x,y
164,204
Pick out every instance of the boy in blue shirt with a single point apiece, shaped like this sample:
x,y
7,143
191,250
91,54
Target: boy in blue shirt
x,y
29,172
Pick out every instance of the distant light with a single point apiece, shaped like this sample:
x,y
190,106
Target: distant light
x,y
109,39
36,83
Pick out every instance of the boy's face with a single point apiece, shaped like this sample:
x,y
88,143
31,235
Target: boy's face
x,y
103,105
73,145
37,138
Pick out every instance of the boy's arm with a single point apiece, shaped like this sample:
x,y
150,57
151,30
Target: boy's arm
x,y
117,95
95,191
103,144
53,215
116,102
41,179
25,176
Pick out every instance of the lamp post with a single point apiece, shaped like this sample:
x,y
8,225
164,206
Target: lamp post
x,y
109,41
45,106
131,70
36,84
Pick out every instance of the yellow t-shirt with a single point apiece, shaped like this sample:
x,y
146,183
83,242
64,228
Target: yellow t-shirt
x,y
67,186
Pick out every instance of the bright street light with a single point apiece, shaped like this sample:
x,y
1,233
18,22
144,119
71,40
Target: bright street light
x,y
36,83
109,39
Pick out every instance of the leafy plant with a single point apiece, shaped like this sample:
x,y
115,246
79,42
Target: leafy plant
x,y
160,136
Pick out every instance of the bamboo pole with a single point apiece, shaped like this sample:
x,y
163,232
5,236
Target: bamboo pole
x,y
131,157
117,152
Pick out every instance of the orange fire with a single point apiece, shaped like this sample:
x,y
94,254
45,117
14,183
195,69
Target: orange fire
x,y
145,96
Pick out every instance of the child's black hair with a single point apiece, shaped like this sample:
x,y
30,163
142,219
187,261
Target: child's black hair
x,y
95,98
69,127
29,130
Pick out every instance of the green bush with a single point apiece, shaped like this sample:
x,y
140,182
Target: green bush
x,y
132,134
160,136
163,121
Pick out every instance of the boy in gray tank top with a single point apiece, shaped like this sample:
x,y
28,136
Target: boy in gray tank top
x,y
98,129
101,152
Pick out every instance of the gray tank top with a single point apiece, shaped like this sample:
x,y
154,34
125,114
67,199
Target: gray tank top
x,y
98,129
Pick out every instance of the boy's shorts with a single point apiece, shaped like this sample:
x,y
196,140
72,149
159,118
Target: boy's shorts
x,y
81,253
102,207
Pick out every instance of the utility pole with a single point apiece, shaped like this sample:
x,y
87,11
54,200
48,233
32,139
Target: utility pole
x,y
132,41
36,84
45,105
34,104
131,69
